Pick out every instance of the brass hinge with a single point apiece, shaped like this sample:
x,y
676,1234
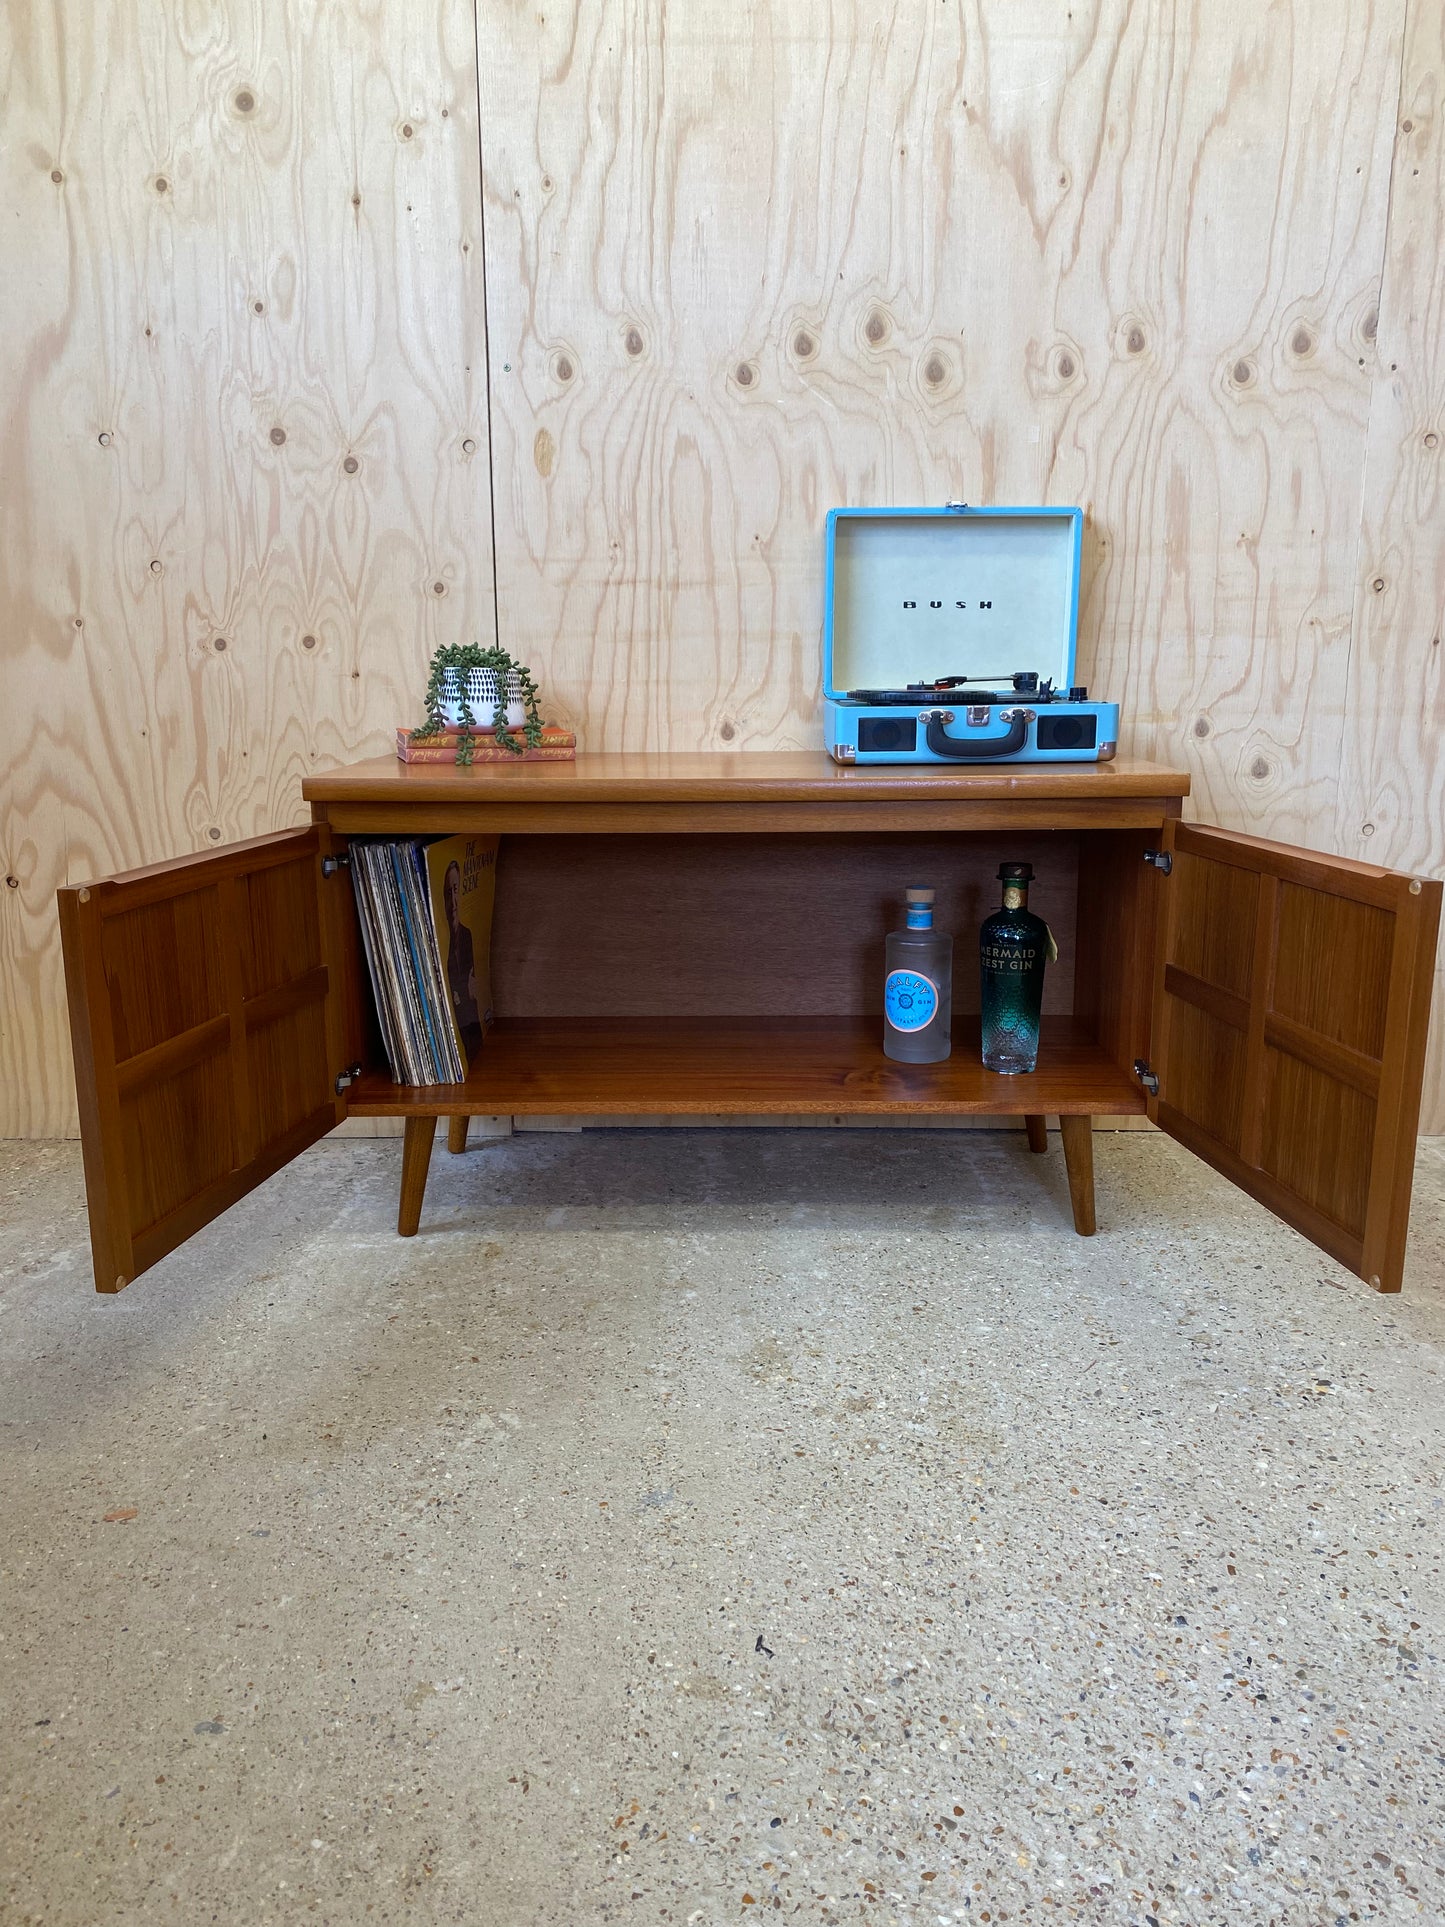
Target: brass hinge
x,y
1161,860
1145,1076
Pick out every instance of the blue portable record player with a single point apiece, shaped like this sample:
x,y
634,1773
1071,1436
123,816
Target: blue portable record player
x,y
949,637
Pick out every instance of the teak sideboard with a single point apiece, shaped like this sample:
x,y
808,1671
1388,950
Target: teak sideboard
x,y
703,934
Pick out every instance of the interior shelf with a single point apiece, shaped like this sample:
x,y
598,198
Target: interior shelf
x,y
615,1066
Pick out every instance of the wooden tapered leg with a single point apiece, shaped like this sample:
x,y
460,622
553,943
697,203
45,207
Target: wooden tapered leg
x,y
1078,1136
415,1157
1037,1130
457,1133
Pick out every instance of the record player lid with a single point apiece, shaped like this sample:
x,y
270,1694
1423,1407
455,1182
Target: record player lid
x,y
914,594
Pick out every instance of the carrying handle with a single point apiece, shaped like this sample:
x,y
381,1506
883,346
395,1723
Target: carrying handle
x,y
959,750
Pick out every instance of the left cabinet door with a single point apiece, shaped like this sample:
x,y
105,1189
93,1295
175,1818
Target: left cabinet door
x,y
210,1019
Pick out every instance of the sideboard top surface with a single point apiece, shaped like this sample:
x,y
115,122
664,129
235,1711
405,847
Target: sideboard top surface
x,y
752,776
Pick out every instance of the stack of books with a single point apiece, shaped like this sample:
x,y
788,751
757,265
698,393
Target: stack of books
x,y
425,910
556,746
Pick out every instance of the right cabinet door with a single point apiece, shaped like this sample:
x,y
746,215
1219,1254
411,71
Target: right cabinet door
x,y
1291,1002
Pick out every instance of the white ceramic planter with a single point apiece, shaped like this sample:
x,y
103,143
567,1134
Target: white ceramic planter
x,y
482,698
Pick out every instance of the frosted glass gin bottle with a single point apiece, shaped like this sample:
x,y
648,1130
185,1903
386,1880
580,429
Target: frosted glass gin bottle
x,y
918,987
1013,947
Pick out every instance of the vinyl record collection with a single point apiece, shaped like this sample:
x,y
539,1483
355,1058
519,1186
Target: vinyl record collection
x,y
404,957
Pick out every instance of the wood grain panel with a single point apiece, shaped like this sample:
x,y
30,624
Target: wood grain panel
x,y
1316,1138
243,411
1332,967
1214,918
750,1066
192,1117
185,1106
1304,1089
288,1067
162,972
1117,933
282,918
1338,1061
1209,1063
716,776
1208,997
1392,789
1007,818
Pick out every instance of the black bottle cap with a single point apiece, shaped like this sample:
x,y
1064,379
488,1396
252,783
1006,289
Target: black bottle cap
x,y
1016,873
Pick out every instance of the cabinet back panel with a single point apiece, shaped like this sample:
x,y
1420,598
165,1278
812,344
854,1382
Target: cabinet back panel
x,y
749,926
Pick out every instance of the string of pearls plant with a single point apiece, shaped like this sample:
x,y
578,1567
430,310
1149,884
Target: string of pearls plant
x,y
459,670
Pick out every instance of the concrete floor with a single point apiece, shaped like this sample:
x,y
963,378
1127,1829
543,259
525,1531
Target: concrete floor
x,y
693,1527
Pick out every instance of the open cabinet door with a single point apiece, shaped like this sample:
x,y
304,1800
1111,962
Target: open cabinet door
x,y
209,1020
1290,1009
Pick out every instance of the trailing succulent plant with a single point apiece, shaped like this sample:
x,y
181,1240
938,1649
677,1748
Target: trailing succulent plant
x,y
458,659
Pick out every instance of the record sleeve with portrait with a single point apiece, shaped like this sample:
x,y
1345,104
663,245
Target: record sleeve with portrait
x,y
462,874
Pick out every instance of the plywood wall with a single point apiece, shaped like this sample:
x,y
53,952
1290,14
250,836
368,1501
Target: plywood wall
x,y
1391,797
243,432
742,263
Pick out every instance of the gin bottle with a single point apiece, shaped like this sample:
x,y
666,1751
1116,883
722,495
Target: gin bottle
x,y
918,987
1013,947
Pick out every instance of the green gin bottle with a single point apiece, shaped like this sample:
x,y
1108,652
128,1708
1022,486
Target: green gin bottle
x,y
1013,947
918,987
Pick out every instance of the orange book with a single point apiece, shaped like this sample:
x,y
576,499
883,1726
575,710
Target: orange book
x,y
557,746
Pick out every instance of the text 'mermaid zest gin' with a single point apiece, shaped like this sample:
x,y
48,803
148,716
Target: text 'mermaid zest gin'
x,y
918,987
1013,947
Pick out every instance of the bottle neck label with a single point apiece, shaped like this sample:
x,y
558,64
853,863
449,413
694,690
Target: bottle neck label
x,y
920,916
1015,897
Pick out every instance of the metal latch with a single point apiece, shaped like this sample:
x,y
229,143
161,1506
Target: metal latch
x,y
977,715
331,864
1161,860
1145,1076
347,1078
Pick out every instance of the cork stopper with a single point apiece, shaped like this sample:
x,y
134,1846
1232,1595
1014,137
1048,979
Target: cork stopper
x,y
918,896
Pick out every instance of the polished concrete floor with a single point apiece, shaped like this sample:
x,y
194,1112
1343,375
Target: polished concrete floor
x,y
715,1525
